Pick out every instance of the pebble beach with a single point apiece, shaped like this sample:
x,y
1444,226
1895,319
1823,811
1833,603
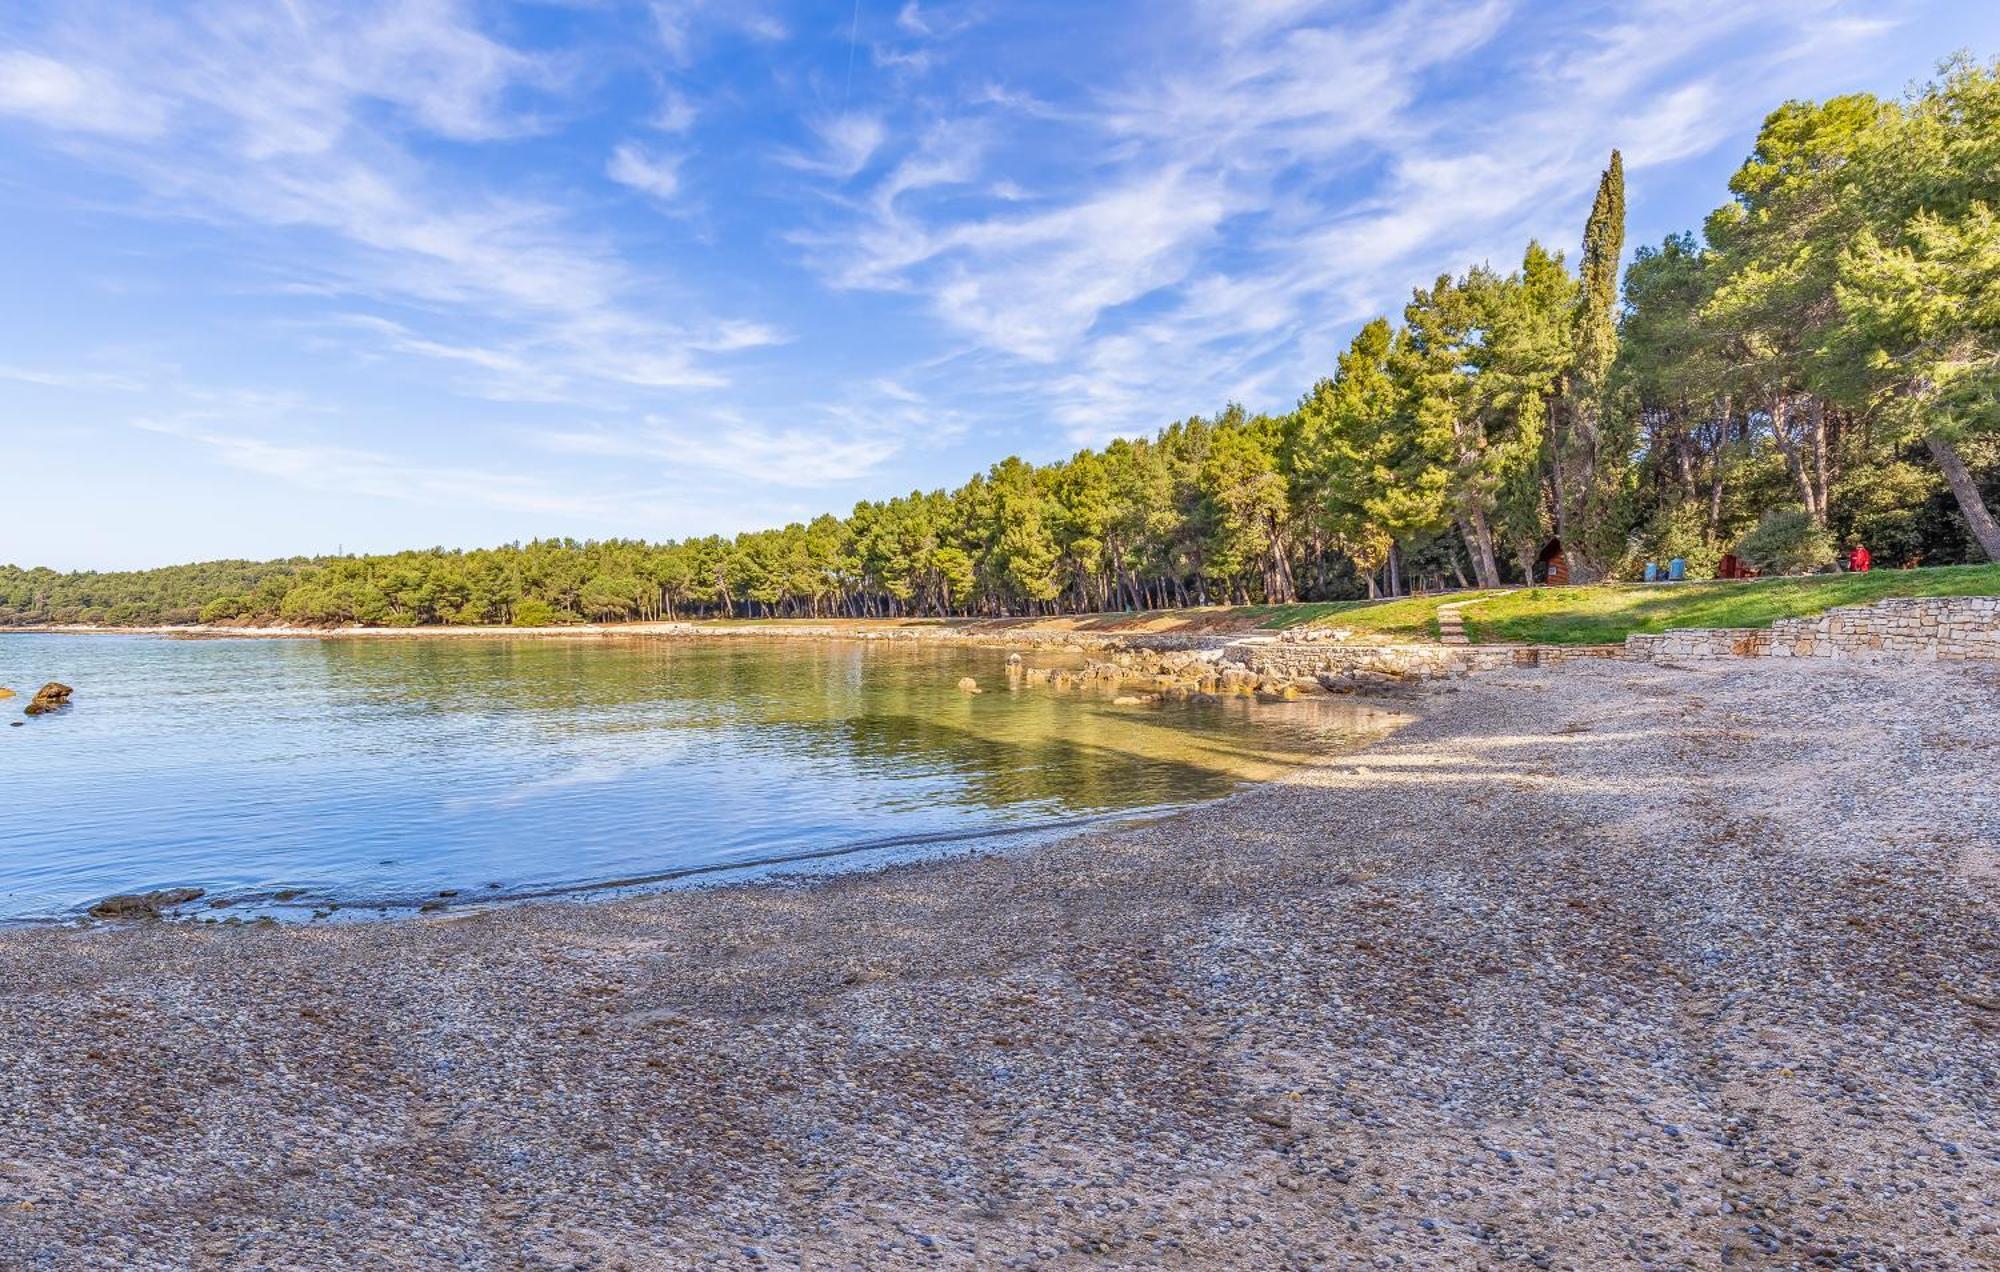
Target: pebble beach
x,y
1603,966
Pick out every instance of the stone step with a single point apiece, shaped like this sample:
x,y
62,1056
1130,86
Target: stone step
x,y
1451,623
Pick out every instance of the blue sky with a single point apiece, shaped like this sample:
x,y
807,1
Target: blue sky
x,y
291,277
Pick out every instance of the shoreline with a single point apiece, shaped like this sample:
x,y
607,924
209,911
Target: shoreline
x,y
763,872
1629,964
1018,634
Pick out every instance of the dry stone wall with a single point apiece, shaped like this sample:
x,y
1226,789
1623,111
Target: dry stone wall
x,y
1921,628
1918,628
1306,659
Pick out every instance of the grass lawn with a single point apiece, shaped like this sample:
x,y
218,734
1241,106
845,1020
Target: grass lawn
x,y
1409,618
1598,615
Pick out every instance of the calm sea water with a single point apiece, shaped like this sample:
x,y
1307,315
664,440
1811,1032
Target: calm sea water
x,y
377,773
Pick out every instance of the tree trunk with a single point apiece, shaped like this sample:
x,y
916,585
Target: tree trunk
x,y
1281,569
1822,483
1966,491
1795,459
1479,538
1395,570
1526,554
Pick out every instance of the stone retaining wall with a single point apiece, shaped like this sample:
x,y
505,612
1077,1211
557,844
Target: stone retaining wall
x,y
1276,660
1305,660
1926,628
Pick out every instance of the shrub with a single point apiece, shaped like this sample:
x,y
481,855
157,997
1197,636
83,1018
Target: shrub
x,y
1786,541
534,613
225,607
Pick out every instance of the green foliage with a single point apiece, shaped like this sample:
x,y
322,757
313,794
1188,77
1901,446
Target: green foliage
x,y
533,612
1786,541
224,608
1679,530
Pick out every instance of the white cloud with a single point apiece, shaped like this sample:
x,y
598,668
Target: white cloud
x,y
645,171
679,23
676,114
60,95
804,458
313,124
1207,226
847,142
836,441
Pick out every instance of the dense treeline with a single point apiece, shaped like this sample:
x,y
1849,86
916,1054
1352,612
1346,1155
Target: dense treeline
x,y
1821,364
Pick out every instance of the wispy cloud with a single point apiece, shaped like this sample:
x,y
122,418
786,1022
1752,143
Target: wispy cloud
x,y
373,474
648,172
112,381
71,98
270,117
846,142
1211,222
798,457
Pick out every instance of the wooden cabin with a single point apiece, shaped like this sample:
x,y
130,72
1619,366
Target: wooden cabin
x,y
1552,567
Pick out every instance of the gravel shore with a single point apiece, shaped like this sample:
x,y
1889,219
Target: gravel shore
x,y
1607,966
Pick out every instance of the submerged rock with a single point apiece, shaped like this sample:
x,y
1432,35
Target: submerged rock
x,y
49,697
968,685
143,905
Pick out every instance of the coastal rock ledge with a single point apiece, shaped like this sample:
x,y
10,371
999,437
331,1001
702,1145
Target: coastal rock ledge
x,y
144,905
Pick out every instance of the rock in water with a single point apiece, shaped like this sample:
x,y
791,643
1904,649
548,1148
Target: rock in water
x,y
968,685
51,696
143,905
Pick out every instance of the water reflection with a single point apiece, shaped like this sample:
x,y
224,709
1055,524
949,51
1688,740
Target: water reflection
x,y
396,769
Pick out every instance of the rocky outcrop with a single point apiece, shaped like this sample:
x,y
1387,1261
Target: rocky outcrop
x,y
50,697
143,905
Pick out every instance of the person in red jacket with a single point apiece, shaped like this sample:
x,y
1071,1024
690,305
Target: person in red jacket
x,y
1858,560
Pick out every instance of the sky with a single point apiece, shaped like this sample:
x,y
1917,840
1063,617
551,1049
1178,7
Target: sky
x,y
303,277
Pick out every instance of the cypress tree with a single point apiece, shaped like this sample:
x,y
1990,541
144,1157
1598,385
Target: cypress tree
x,y
1603,243
1588,472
